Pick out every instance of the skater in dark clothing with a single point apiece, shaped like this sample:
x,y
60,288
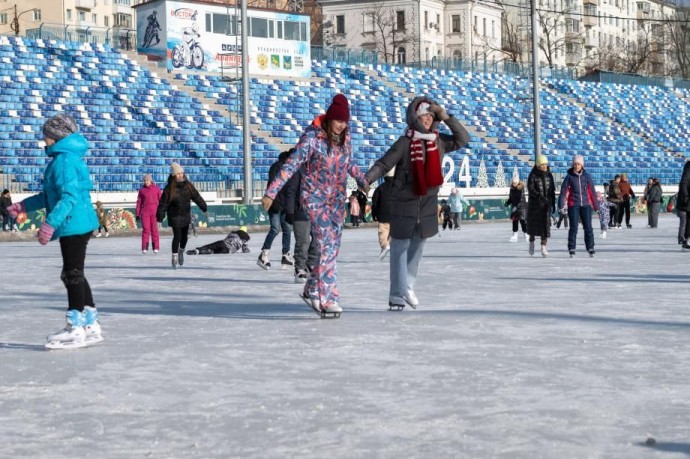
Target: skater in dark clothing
x,y
362,201
541,203
276,218
176,203
306,249
70,217
444,214
654,197
627,195
417,157
578,196
235,241
683,207
518,207
616,197
381,212
8,223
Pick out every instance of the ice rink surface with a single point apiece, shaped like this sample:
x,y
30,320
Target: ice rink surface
x,y
507,356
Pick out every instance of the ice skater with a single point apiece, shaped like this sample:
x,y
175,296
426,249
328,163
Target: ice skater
x,y
541,204
176,203
235,241
456,201
276,218
578,197
102,215
306,250
444,215
605,208
148,198
518,206
416,157
325,150
70,217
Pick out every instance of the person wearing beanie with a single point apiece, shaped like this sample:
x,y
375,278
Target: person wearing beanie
x,y
416,157
148,198
627,195
518,208
175,203
70,218
578,198
8,223
325,150
541,189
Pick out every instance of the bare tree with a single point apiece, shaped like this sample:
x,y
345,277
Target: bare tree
x,y
511,46
678,34
559,34
388,32
628,56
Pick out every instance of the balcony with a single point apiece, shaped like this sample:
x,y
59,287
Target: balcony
x,y
590,2
85,4
591,42
573,59
590,21
124,9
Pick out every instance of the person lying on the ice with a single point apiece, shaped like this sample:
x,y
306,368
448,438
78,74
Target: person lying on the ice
x,y
233,242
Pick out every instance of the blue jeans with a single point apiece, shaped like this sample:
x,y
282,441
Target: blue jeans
x,y
580,214
405,256
278,224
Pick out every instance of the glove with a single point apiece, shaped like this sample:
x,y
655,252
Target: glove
x,y
45,233
16,209
439,112
290,218
266,203
137,218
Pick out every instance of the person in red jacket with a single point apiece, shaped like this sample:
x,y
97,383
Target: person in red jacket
x,y
147,204
628,195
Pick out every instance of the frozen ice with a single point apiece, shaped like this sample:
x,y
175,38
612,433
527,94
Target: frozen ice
x,y
507,355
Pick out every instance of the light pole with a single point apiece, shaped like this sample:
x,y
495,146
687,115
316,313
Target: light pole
x,y
14,25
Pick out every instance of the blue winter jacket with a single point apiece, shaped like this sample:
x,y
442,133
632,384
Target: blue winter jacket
x,y
456,201
66,187
577,190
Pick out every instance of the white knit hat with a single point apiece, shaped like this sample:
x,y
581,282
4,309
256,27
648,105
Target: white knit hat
x,y
175,168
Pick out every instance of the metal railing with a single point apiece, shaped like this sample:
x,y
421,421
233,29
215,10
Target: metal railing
x,y
115,37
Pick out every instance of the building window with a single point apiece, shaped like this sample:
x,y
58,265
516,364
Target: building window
x,y
69,14
123,20
402,55
493,29
37,15
426,19
571,25
457,55
106,21
3,18
438,22
340,24
94,19
82,15
476,21
400,21
368,22
455,23
427,56
484,26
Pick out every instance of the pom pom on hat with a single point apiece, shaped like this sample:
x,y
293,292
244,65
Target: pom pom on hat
x,y
59,127
175,168
541,159
422,109
339,109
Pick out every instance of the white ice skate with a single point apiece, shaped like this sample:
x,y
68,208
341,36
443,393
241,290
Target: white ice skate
x,y
73,336
514,237
92,326
411,299
603,235
287,261
332,311
263,260
313,303
384,252
301,276
544,252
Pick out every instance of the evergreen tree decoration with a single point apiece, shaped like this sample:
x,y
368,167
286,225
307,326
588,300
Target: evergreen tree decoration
x,y
482,179
516,174
500,177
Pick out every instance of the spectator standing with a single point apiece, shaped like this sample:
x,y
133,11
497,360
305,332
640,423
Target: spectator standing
x,y
8,223
627,195
148,198
518,208
654,196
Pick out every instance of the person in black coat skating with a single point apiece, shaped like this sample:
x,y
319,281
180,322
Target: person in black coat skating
x,y
176,203
541,204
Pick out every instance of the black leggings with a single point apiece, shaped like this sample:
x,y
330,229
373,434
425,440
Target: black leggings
x,y
73,249
179,238
522,225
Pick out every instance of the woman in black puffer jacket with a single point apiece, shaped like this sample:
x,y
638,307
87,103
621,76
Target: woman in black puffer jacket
x,y
176,203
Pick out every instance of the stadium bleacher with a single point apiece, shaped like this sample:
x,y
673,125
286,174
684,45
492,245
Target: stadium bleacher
x,y
138,122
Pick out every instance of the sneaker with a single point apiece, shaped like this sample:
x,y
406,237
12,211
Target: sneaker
x,y
180,256
513,238
73,333
544,252
287,261
603,235
301,276
411,299
92,325
384,252
531,248
175,263
263,260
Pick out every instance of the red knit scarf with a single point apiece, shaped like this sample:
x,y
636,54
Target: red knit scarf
x,y
427,173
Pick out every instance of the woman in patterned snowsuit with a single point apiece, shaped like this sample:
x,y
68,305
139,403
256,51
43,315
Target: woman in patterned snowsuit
x,y
326,153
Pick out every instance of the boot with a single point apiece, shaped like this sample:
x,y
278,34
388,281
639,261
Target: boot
x,y
514,237
175,262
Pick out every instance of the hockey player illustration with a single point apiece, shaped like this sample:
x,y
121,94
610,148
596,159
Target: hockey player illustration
x,y
152,30
188,52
